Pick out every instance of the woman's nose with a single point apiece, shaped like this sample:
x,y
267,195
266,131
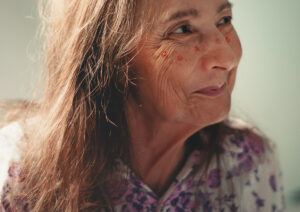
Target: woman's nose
x,y
217,53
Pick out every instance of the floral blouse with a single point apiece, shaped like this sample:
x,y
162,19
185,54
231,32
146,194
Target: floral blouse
x,y
247,179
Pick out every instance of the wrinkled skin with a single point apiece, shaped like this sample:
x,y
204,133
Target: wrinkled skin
x,y
175,59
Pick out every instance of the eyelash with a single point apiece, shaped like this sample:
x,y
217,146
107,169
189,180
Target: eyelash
x,y
229,18
187,26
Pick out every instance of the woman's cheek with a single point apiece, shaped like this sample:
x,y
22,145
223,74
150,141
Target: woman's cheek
x,y
164,58
168,62
177,66
178,57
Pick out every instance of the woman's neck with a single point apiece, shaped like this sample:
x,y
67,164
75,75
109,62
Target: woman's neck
x,y
157,148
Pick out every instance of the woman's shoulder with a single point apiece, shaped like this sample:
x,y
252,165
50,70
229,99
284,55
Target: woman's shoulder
x,y
248,152
245,137
254,160
10,136
12,131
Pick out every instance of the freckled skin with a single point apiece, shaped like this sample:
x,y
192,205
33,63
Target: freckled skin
x,y
164,53
227,39
166,87
174,80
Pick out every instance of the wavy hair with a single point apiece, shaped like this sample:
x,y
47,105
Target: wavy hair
x,y
73,139
78,128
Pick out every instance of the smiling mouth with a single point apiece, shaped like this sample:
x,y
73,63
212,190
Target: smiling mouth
x,y
212,90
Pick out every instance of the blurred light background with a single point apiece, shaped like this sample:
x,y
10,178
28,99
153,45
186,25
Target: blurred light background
x,y
267,86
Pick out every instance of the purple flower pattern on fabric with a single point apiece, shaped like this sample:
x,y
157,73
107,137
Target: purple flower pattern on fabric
x,y
15,172
214,178
256,144
132,195
272,181
247,164
117,189
259,201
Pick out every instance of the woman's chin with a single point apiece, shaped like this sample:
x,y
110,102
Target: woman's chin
x,y
206,116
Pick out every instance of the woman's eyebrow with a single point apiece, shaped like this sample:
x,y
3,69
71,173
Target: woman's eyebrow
x,y
227,5
183,13
193,12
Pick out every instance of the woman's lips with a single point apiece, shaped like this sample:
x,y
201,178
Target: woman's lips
x,y
212,90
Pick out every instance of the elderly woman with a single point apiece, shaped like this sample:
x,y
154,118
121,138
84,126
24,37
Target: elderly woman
x,y
134,115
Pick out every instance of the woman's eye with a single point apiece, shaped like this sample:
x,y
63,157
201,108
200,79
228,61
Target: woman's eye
x,y
182,29
225,20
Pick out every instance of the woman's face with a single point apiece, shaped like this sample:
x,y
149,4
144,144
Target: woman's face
x,y
190,46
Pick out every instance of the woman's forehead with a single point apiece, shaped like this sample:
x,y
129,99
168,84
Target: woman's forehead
x,y
164,10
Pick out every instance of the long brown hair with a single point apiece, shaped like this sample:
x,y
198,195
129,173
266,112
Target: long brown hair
x,y
72,141
78,129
